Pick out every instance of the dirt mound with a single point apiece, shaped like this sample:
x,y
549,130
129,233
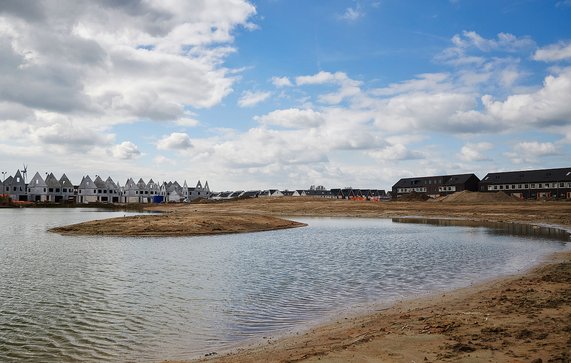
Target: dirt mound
x,y
414,197
478,197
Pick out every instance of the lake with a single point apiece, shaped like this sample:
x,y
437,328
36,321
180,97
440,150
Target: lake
x,y
148,299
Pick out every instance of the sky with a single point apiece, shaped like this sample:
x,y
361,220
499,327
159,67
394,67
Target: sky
x,y
284,93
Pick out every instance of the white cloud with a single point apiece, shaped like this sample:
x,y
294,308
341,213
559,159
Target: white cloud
x,y
187,122
292,118
321,78
347,86
529,152
352,14
548,106
125,151
503,42
175,141
117,62
395,152
535,149
250,98
161,160
281,82
554,52
475,151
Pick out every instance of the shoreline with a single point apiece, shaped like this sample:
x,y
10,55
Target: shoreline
x,y
468,324
521,317
516,318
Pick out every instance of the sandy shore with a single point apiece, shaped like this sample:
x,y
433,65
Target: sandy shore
x,y
185,223
518,319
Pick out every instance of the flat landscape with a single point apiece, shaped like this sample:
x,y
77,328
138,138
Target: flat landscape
x,y
519,319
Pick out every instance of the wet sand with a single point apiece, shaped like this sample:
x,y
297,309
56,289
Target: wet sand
x,y
524,318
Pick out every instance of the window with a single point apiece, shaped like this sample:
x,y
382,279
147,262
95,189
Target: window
x,y
57,190
526,186
519,186
51,190
513,186
561,185
533,185
501,187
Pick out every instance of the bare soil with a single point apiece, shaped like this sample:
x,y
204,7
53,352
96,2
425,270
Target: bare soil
x,y
178,224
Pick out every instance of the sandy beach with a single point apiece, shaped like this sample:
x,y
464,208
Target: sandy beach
x,y
524,318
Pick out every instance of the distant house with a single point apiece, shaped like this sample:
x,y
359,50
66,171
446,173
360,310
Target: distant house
x,y
113,191
435,186
16,187
54,189
299,193
326,194
86,191
155,192
130,192
67,189
271,193
530,184
37,189
250,194
199,191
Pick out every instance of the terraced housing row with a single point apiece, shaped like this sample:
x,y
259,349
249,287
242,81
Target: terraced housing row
x,y
62,190
524,184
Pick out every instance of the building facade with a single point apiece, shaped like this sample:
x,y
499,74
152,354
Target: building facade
x,y
530,184
435,186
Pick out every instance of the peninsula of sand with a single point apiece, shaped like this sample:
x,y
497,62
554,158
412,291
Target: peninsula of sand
x,y
178,224
525,318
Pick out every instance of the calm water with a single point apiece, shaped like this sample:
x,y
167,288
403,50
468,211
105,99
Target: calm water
x,y
147,299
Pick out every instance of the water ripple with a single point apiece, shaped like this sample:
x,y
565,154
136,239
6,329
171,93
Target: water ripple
x,y
146,299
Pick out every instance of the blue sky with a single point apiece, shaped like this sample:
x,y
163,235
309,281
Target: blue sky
x,y
284,94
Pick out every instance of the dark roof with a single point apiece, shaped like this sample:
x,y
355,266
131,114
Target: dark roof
x,y
423,180
251,193
310,193
529,176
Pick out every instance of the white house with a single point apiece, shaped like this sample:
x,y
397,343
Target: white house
x,y
87,191
37,189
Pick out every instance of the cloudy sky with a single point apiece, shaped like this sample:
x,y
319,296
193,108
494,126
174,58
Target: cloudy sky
x,y
284,93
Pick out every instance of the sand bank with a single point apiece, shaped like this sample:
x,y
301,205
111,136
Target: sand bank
x,y
178,224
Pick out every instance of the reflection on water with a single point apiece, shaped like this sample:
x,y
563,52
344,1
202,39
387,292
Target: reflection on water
x,y
147,299
495,228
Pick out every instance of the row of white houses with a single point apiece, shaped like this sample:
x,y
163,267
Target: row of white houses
x,y
62,190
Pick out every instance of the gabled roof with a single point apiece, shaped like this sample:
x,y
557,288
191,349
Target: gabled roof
x,y
251,193
52,182
37,181
86,182
99,183
110,184
65,182
459,179
424,180
529,176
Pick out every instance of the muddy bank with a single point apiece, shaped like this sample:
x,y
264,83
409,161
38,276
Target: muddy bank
x,y
520,319
178,224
